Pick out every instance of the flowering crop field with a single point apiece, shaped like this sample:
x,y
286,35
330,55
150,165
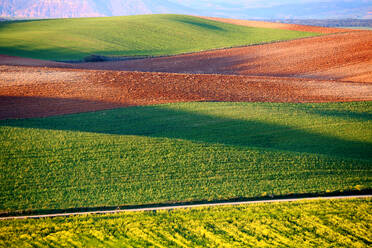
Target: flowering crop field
x,y
327,223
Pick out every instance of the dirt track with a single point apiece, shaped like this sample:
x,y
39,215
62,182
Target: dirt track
x,y
37,92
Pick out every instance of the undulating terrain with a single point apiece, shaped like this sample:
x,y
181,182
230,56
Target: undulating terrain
x,y
285,111
151,35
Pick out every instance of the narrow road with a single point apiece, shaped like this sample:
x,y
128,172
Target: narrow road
x,y
184,206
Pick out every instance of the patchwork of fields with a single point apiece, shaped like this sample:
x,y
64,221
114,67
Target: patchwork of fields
x,y
291,118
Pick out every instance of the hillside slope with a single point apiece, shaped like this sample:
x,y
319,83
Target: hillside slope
x,y
342,56
73,39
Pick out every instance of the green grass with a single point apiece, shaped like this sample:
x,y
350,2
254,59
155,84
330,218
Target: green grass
x,y
184,152
332,223
73,39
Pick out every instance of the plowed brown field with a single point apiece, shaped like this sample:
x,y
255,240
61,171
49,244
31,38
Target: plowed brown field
x,y
305,70
262,24
343,56
38,92
13,60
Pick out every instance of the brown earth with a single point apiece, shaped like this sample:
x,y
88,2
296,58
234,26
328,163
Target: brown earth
x,y
314,69
37,92
13,60
262,24
343,56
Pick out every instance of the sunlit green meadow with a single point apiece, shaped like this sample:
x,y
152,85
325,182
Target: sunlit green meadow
x,y
152,35
184,152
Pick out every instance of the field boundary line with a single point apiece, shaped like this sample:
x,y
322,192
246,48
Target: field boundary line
x,y
180,206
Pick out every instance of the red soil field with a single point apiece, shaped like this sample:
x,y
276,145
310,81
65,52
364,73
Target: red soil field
x,y
38,92
262,24
342,56
336,67
13,60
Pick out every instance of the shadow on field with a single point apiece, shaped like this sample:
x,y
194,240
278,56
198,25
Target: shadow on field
x,y
186,63
342,114
199,24
175,123
13,107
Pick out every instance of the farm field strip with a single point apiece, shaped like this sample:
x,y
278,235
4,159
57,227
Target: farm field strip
x,y
342,56
150,35
184,152
276,25
39,92
321,223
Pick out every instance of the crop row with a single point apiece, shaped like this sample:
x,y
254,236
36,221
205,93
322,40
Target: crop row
x,y
336,223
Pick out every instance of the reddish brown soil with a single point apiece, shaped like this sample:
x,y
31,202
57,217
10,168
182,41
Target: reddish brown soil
x,y
37,92
304,70
343,56
13,60
295,27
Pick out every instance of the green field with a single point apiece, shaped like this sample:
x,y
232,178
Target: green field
x,y
73,39
336,223
184,152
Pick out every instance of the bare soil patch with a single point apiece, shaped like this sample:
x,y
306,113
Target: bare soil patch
x,y
343,56
294,27
88,90
14,60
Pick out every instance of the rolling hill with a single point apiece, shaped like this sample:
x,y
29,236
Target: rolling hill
x,y
152,35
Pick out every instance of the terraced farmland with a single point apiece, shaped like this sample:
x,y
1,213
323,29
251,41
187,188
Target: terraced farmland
x,y
184,152
340,223
73,39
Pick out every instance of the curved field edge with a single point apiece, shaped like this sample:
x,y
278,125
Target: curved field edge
x,y
150,35
307,224
184,152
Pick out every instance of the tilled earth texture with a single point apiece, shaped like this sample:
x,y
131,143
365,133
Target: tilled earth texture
x,y
261,24
333,67
342,56
38,92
